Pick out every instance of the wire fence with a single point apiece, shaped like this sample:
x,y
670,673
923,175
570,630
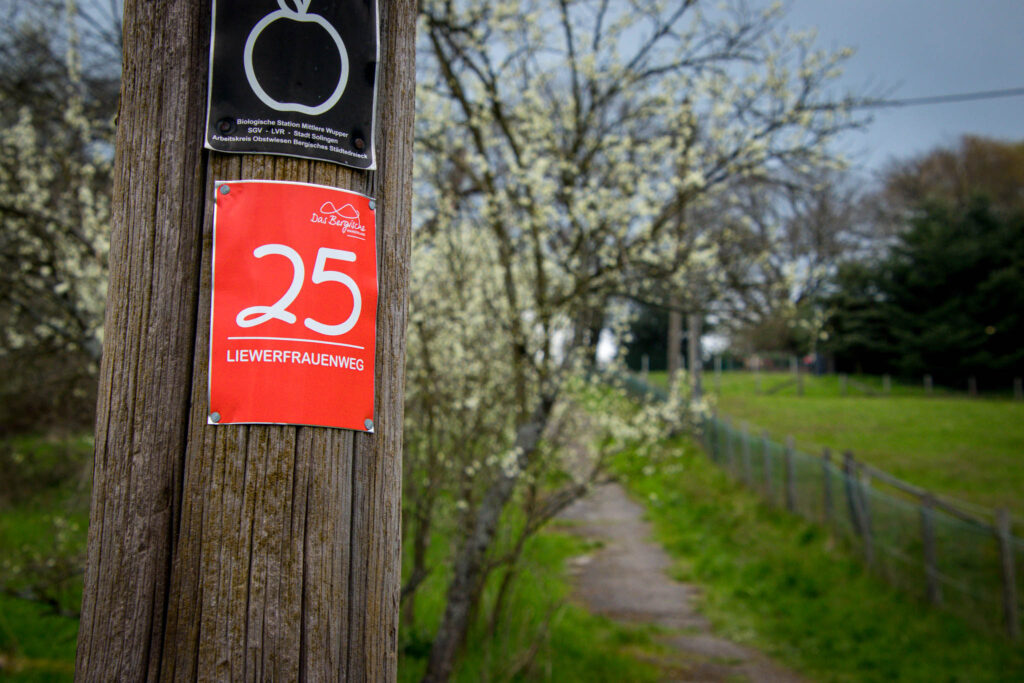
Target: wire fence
x,y
955,555
962,560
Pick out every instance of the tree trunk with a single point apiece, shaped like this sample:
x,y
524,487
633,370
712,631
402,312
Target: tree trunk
x,y
234,552
467,579
587,332
675,340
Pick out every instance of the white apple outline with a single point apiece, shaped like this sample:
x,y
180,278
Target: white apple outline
x,y
301,15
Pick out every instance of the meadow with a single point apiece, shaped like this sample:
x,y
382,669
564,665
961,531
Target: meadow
x,y
44,510
965,448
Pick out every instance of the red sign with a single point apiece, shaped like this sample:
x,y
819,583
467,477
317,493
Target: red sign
x,y
292,331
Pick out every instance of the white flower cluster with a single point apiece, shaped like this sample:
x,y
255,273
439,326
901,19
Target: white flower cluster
x,y
54,209
563,152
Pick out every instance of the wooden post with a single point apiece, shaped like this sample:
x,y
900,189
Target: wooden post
x,y
766,454
790,483
674,361
928,385
1004,533
931,572
234,552
730,448
693,348
706,435
849,484
715,447
863,492
718,374
972,386
748,475
826,486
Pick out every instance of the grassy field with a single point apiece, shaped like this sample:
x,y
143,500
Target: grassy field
x,y
969,449
785,586
43,520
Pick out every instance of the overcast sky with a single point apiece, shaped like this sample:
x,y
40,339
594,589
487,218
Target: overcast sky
x,y
919,48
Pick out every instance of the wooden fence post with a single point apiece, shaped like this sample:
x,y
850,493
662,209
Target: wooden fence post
x,y
972,386
674,353
933,587
234,552
853,496
715,445
928,385
766,454
864,505
1005,535
695,354
706,434
748,475
826,486
790,484
730,447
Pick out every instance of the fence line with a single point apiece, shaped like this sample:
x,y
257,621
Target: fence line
x,y
960,557
916,540
848,385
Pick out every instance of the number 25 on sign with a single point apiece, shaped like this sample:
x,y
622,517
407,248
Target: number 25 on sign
x,y
286,348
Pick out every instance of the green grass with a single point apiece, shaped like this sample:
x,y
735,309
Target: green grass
x,y
43,517
41,479
969,449
572,645
35,646
785,586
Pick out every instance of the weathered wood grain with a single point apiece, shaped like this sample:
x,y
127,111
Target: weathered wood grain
x,y
235,552
145,374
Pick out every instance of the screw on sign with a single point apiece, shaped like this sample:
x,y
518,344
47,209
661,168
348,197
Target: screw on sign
x,y
293,324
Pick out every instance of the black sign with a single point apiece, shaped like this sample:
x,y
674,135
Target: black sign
x,y
294,77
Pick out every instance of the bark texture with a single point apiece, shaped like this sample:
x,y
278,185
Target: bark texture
x,y
234,552
469,571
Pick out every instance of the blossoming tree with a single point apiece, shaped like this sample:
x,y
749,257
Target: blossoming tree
x,y
563,148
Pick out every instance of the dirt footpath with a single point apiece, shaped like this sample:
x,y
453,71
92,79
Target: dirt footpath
x,y
626,580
